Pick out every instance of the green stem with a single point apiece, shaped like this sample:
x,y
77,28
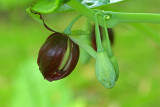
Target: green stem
x,y
84,46
136,17
97,32
116,17
89,13
82,9
68,28
109,50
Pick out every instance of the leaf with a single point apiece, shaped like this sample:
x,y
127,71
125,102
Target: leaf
x,y
58,6
80,1
102,4
39,19
47,6
34,16
64,8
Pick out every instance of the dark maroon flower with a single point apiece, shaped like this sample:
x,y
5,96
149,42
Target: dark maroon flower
x,y
57,57
93,38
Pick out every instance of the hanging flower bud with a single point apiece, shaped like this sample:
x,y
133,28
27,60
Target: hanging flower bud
x,y
57,57
93,38
105,71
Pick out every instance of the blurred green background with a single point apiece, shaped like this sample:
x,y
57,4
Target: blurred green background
x,y
137,48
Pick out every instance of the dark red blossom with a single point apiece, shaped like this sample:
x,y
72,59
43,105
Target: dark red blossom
x,y
57,57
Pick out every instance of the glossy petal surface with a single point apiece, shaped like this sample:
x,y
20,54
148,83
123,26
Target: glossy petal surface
x,y
51,55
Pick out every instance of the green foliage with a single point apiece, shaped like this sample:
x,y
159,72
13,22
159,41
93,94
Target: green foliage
x,y
34,16
47,6
39,19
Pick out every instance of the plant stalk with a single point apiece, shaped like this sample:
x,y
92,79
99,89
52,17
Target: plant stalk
x,y
136,17
69,27
116,17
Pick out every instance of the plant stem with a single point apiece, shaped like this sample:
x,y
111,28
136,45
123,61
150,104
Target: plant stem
x,y
84,46
98,36
136,17
116,17
68,28
109,50
82,9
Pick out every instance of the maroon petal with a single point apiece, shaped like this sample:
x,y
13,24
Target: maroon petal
x,y
51,55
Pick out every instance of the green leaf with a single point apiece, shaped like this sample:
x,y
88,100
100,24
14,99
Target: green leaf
x,y
101,4
64,8
38,18
47,6
58,6
34,16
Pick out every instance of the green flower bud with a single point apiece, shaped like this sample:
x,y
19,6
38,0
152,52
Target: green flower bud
x,y
105,71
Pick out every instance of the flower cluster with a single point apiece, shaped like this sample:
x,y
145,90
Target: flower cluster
x,y
59,54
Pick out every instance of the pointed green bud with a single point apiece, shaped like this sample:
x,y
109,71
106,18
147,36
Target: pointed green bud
x,y
105,72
